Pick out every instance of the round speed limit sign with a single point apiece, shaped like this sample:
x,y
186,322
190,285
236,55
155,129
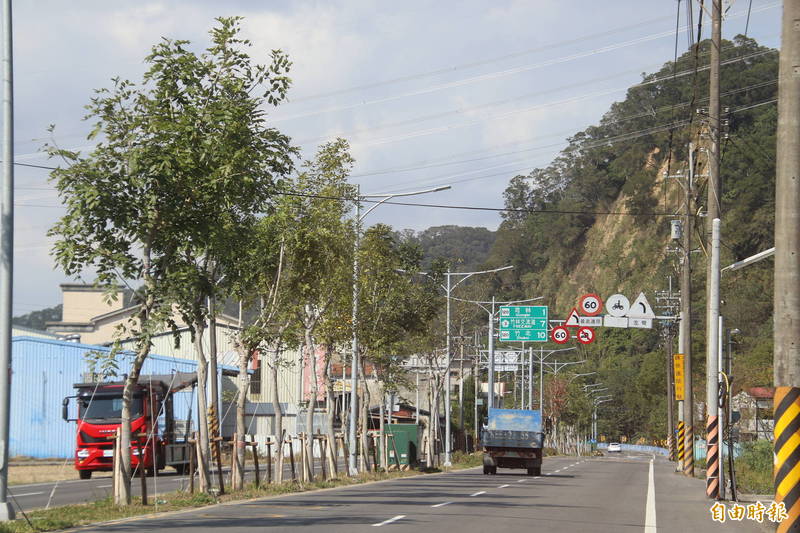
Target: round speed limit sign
x,y
591,304
560,335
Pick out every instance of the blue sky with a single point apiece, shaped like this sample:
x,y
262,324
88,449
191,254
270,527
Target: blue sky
x,y
464,93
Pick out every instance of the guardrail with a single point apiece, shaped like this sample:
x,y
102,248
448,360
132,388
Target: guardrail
x,y
638,448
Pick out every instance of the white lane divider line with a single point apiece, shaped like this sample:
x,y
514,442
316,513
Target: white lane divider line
x,y
537,477
103,486
650,508
27,494
478,493
441,504
393,519
520,481
503,486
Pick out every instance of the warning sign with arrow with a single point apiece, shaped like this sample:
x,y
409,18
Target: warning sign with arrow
x,y
640,308
573,319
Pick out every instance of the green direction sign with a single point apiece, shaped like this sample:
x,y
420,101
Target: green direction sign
x,y
523,323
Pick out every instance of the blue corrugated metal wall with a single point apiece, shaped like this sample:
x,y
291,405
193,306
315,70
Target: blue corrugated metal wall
x,y
43,372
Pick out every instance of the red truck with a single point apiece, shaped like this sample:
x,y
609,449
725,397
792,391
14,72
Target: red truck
x,y
99,411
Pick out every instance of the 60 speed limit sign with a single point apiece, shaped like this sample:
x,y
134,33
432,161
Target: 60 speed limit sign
x,y
591,304
560,335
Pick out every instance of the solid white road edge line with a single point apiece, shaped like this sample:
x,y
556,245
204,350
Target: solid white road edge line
x,y
441,504
27,494
650,509
478,493
393,519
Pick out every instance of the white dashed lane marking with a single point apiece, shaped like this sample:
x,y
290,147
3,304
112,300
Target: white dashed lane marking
x,y
393,519
478,493
441,504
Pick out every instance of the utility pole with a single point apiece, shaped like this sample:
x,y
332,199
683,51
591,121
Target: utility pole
x,y
667,301
712,370
7,261
786,365
686,407
713,210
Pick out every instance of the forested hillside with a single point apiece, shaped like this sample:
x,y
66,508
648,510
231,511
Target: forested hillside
x,y
37,319
466,248
597,220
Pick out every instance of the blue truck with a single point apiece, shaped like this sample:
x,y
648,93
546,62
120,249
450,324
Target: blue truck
x,y
513,438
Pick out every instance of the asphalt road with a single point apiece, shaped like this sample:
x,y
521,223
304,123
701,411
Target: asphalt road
x,y
573,494
37,495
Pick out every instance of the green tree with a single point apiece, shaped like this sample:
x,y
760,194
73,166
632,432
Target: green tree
x,y
318,243
184,159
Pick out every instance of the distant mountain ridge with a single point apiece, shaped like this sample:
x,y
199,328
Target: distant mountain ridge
x,y
466,247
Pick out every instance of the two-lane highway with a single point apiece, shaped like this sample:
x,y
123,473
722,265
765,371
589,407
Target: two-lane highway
x,y
627,493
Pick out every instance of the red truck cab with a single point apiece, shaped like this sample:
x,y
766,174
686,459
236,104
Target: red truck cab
x,y
154,445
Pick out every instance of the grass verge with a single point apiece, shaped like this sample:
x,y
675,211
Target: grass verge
x,y
104,510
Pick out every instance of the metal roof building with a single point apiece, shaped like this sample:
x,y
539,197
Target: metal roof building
x,y
43,372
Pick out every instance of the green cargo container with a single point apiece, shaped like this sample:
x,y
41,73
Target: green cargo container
x,y
406,441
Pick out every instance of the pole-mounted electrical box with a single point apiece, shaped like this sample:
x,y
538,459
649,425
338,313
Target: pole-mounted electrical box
x,y
676,230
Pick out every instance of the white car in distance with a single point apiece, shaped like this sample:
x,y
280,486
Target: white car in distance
x,y
614,447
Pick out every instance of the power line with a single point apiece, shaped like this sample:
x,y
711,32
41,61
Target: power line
x,y
491,75
446,70
447,178
513,112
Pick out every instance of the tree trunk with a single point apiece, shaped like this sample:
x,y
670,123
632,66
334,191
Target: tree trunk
x,y
384,455
237,482
364,421
123,495
276,406
312,400
330,400
202,408
429,444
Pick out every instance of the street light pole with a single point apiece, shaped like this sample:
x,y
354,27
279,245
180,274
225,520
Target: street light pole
x,y
490,380
352,469
7,261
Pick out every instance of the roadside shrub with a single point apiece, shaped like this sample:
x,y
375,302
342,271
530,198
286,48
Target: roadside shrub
x,y
754,468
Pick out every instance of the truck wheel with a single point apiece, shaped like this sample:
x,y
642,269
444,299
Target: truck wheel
x,y
181,468
535,471
85,474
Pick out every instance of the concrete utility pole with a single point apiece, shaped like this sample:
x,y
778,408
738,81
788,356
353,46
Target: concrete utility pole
x,y
712,369
713,210
786,312
685,408
7,261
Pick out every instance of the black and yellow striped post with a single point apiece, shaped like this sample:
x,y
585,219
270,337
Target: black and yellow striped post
x,y
787,454
688,451
712,457
681,437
